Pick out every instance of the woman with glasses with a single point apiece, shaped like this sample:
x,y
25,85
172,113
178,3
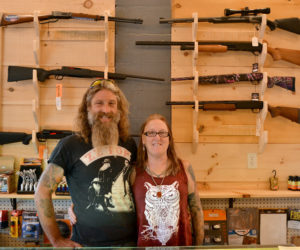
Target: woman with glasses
x,y
164,189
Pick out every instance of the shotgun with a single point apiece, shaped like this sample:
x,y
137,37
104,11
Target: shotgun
x,y
222,105
11,137
18,73
9,19
286,82
289,55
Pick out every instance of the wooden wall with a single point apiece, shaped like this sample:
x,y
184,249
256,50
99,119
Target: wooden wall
x,y
225,137
77,43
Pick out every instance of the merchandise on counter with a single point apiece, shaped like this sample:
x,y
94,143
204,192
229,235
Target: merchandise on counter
x,y
29,174
7,174
215,232
242,226
16,223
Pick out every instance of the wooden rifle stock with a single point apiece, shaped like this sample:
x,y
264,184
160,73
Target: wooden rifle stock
x,y
290,113
289,55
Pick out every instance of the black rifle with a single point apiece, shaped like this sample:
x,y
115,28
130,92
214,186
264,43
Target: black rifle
x,y
289,24
222,105
289,55
18,73
56,15
11,137
286,82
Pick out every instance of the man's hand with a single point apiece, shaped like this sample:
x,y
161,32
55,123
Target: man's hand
x,y
72,215
62,242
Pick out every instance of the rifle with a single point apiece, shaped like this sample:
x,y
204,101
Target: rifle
x,y
289,55
18,73
292,114
286,82
222,105
11,137
56,15
289,24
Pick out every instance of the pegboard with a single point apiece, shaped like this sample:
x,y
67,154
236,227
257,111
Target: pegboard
x,y
24,204
62,205
258,203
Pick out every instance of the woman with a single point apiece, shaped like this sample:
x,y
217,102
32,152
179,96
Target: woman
x,y
164,189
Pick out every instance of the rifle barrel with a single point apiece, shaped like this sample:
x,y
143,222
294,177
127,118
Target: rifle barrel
x,y
223,19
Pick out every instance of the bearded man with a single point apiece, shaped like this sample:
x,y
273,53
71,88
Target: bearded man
x,y
99,152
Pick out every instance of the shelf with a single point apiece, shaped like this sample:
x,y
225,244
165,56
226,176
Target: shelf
x,y
31,196
248,194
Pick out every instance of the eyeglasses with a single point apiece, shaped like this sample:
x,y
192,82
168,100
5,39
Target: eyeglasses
x,y
161,134
102,82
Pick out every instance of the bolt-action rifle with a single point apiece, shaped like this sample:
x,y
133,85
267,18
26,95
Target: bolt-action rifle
x,y
286,82
18,73
9,19
289,55
11,137
289,24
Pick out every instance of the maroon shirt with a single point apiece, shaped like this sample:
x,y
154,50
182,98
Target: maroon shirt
x,y
162,210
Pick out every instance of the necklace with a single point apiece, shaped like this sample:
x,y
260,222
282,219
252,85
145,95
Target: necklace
x,y
158,194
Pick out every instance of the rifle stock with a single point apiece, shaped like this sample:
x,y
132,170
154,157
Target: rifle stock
x,y
289,55
293,114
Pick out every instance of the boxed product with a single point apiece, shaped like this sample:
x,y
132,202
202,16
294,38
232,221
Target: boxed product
x,y
7,184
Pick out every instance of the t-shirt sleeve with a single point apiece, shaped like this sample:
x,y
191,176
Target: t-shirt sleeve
x,y
60,155
133,150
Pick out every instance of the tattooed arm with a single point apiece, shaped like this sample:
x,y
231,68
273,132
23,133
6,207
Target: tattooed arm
x,y
194,205
48,182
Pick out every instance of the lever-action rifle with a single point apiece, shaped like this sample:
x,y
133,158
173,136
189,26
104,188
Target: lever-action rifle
x,y
11,137
286,82
289,55
8,19
289,24
222,105
18,73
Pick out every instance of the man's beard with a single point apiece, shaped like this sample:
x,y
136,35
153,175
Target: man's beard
x,y
104,133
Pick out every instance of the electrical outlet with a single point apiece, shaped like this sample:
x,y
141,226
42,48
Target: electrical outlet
x,y
252,160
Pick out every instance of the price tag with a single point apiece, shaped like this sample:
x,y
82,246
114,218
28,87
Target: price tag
x,y
58,96
254,41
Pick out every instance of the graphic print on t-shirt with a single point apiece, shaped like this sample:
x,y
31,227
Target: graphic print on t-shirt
x,y
109,190
162,213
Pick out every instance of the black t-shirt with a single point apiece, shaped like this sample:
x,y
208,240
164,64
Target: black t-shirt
x,y
98,181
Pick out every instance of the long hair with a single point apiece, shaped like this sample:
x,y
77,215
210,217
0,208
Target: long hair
x,y
82,123
142,155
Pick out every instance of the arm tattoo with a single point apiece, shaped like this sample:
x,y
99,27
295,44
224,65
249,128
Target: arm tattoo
x,y
191,172
193,203
46,205
50,175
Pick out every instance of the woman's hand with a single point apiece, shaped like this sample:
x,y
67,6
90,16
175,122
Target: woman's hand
x,y
72,215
